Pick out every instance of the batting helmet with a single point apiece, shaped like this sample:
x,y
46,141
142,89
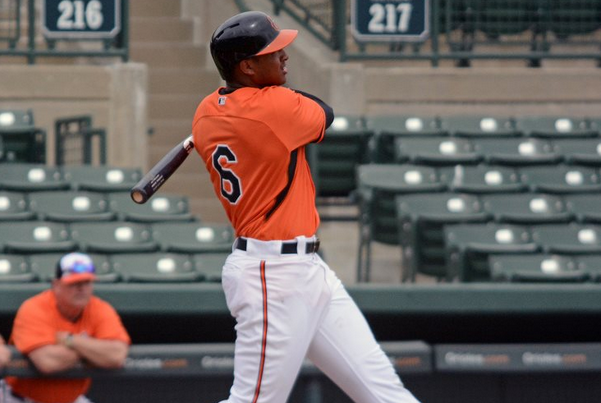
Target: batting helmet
x,y
244,35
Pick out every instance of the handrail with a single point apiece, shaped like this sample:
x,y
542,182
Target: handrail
x,y
113,46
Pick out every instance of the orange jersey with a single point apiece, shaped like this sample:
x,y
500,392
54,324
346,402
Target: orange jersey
x,y
252,141
35,326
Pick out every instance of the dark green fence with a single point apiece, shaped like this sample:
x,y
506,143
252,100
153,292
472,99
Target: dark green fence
x,y
64,28
459,30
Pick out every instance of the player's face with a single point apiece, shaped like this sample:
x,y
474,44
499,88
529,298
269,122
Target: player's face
x,y
270,69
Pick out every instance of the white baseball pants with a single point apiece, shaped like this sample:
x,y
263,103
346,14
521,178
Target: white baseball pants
x,y
291,306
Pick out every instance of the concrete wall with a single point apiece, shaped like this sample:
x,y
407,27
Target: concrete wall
x,y
114,95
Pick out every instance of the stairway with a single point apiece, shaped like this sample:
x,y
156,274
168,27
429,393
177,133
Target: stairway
x,y
177,82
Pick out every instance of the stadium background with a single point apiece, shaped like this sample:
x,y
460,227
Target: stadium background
x,y
146,104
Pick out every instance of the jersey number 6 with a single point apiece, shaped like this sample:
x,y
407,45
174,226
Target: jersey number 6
x,y
231,188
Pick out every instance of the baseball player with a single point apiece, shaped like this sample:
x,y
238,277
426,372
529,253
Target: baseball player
x,y
288,304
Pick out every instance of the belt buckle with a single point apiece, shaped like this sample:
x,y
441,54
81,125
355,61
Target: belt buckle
x,y
312,247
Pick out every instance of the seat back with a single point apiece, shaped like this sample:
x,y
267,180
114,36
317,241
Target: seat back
x,y
561,179
70,206
435,151
480,126
156,267
26,177
101,178
162,207
481,179
15,269
35,237
515,151
193,237
14,207
113,237
526,208
536,268
556,127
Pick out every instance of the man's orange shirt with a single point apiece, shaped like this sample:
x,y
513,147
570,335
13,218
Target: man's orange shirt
x,y
35,326
249,140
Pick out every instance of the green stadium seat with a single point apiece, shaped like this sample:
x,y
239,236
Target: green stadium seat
x,y
26,177
585,151
333,161
15,269
434,151
378,184
421,222
573,17
386,128
14,207
591,264
556,127
70,206
585,207
481,179
101,178
210,265
515,151
35,237
113,237
44,266
504,18
571,238
163,207
561,179
21,140
156,267
469,245
480,126
193,237
526,208
536,268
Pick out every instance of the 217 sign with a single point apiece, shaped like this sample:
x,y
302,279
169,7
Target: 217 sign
x,y
390,20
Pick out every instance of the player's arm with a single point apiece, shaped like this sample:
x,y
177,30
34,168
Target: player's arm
x,y
326,108
53,358
4,353
98,352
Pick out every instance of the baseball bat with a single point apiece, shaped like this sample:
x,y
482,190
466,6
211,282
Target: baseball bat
x,y
158,174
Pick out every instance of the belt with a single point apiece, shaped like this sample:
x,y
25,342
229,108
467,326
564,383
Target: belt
x,y
17,396
288,248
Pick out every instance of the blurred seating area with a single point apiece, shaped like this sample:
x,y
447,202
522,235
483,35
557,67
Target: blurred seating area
x,y
473,198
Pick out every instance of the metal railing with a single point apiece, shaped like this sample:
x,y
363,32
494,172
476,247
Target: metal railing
x,y
24,31
464,30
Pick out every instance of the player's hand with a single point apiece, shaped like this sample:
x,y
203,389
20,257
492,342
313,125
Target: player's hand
x,y
4,353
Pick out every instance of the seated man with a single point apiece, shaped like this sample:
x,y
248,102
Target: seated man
x,y
63,328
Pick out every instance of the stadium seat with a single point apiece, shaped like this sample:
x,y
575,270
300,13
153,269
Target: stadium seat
x,y
556,127
15,269
526,208
44,266
583,151
586,208
480,126
469,245
377,186
571,238
573,17
70,206
481,179
561,179
434,151
333,162
515,151
21,140
113,237
193,237
210,265
422,218
35,237
386,128
101,178
536,268
163,207
14,207
156,267
25,177
590,264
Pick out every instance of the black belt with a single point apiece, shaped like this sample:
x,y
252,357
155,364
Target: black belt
x,y
288,248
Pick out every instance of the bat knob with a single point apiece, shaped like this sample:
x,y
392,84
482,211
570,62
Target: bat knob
x,y
138,196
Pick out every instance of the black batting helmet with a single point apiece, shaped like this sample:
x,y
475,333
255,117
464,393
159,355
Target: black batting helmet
x,y
244,35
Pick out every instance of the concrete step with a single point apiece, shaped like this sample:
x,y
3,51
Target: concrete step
x,y
192,80
154,8
160,29
168,132
167,106
166,54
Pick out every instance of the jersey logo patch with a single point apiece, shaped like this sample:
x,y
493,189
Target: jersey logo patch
x,y
221,100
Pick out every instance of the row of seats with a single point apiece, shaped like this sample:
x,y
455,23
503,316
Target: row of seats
x,y
155,267
81,205
28,177
23,237
494,251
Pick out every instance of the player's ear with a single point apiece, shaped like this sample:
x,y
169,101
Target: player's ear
x,y
246,66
